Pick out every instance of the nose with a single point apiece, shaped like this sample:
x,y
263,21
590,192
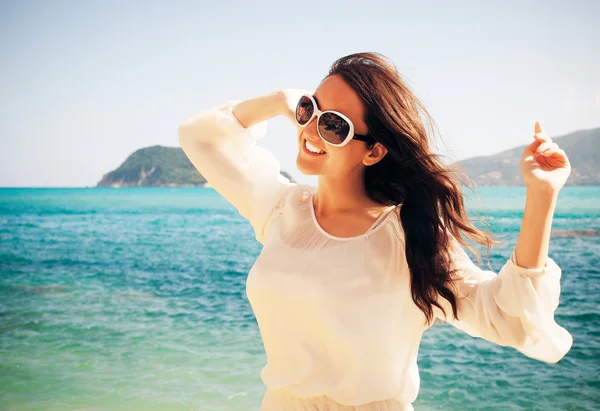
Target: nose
x,y
310,131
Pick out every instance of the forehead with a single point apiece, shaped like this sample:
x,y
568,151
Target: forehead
x,y
335,94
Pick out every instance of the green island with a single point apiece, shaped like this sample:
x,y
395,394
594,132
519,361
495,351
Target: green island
x,y
159,166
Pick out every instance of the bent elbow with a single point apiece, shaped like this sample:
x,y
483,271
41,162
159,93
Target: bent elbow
x,y
184,133
197,129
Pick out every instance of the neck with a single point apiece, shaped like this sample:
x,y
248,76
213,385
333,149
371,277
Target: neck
x,y
340,195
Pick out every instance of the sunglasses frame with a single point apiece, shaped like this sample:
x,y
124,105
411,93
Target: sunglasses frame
x,y
318,113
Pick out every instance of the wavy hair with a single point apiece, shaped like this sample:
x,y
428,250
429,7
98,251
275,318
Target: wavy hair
x,y
433,212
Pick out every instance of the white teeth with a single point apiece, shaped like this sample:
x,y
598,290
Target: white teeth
x,y
312,148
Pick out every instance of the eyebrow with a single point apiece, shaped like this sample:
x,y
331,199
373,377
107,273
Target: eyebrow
x,y
317,100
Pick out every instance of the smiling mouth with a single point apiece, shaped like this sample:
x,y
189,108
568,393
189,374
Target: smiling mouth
x,y
310,149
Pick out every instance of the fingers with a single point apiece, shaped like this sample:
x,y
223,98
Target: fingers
x,y
555,152
546,146
540,134
551,150
557,155
538,127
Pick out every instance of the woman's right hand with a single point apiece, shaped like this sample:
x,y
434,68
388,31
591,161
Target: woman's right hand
x,y
290,97
262,108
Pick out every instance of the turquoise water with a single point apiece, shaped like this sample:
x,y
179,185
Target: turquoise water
x,y
135,299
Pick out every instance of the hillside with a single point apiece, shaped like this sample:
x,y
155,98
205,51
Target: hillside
x,y
169,166
502,169
156,166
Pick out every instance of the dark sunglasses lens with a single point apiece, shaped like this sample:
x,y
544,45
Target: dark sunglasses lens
x,y
304,110
333,128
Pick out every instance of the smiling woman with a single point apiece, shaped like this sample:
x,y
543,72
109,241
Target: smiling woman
x,y
353,271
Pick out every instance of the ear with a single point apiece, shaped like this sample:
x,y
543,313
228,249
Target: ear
x,y
375,154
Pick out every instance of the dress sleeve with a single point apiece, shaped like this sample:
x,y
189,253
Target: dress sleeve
x,y
512,308
226,155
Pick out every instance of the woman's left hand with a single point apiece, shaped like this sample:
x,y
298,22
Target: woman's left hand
x,y
545,167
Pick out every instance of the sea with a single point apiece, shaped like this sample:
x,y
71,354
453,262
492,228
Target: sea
x,y
134,299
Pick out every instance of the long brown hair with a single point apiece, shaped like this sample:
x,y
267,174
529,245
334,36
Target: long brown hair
x,y
433,211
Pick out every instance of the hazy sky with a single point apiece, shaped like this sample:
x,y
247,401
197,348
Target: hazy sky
x,y
83,84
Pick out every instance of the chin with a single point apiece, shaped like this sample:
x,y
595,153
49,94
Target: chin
x,y
304,168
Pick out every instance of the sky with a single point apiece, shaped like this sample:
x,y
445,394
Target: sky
x,y
85,84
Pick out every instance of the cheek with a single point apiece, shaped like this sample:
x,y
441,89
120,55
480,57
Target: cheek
x,y
343,159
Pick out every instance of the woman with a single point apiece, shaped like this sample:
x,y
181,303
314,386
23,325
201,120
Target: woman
x,y
352,272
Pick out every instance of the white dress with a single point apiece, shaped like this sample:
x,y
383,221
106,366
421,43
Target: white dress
x,y
339,326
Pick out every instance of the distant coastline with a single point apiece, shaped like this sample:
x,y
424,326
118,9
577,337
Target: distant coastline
x,y
118,185
159,166
503,169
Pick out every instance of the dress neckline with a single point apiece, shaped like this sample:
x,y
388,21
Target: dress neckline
x,y
373,228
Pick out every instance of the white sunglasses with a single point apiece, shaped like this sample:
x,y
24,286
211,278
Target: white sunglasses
x,y
333,127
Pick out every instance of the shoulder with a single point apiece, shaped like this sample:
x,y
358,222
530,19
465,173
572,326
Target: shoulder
x,y
298,195
392,231
395,223
291,207
294,197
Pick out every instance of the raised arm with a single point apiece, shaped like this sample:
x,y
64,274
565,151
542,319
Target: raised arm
x,y
221,143
516,307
